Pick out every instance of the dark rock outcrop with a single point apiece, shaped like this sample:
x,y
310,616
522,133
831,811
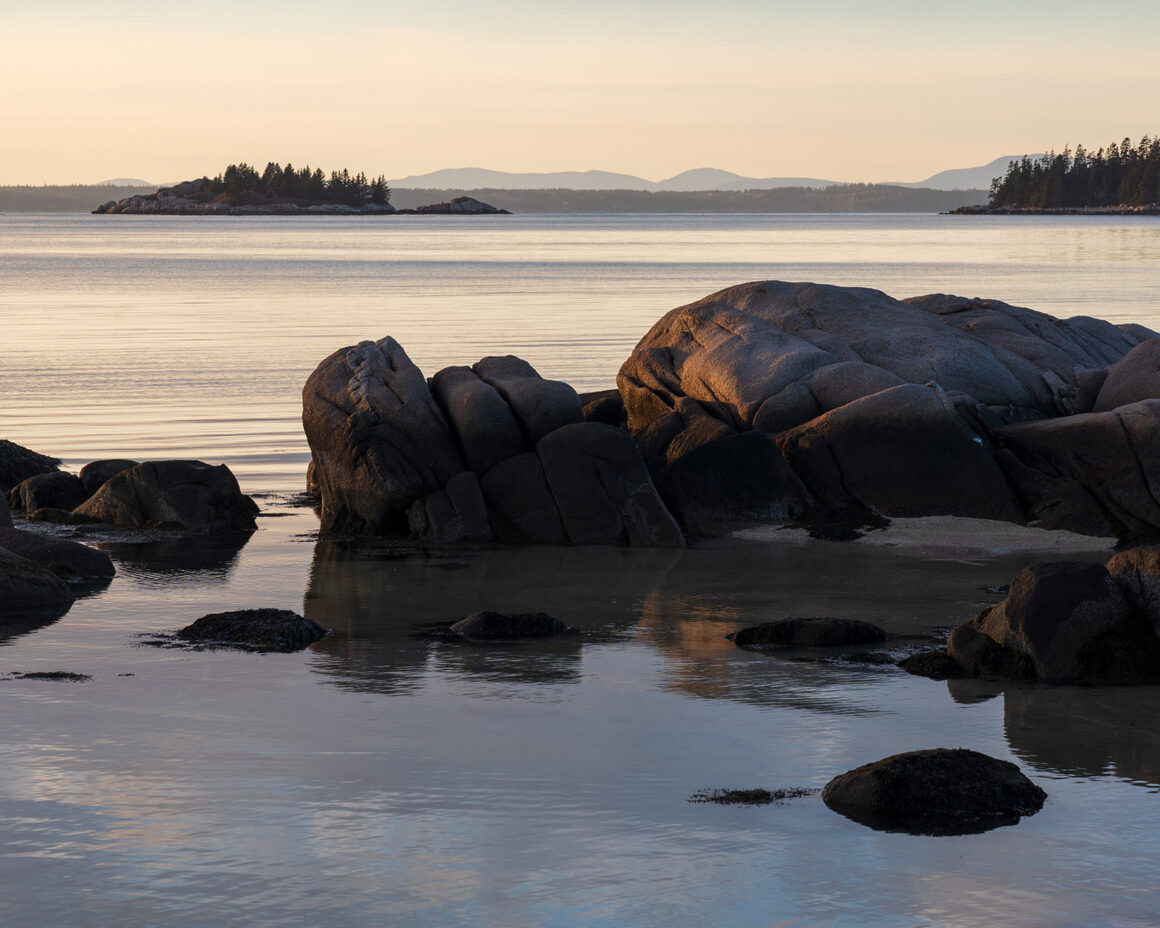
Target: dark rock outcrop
x,y
253,630
185,495
808,632
18,463
936,405
489,453
935,792
509,626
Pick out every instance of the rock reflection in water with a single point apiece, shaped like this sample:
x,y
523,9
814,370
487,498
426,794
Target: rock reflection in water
x,y
208,557
381,600
1078,731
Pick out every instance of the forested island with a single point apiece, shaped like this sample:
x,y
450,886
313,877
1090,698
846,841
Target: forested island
x,y
278,190
1120,179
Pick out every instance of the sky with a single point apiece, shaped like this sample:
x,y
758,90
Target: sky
x,y
877,90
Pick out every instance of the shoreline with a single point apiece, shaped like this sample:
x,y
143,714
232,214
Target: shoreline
x,y
1152,209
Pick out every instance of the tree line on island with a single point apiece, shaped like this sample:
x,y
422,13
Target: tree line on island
x,y
1120,175
240,182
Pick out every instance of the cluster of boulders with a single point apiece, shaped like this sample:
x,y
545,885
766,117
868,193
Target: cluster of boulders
x,y
765,402
476,454
37,567
1063,622
188,496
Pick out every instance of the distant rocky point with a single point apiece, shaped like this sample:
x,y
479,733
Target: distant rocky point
x,y
201,198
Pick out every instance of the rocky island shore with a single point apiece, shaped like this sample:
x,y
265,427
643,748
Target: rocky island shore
x,y
201,198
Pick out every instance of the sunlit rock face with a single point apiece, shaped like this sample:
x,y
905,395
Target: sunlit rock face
x,y
936,405
488,453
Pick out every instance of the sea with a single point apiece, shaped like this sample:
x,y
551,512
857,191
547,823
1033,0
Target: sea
x,y
387,776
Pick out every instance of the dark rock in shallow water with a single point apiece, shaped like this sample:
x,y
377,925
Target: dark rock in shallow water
x,y
935,792
803,632
185,495
27,588
18,463
253,630
750,797
56,489
507,626
69,560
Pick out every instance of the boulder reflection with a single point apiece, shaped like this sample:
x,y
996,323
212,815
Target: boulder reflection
x,y
1079,731
208,557
385,605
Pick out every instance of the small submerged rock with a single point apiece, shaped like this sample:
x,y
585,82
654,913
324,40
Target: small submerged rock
x,y
509,626
253,630
935,792
56,676
803,632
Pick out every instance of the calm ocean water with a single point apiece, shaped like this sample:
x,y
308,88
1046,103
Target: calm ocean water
x,y
383,779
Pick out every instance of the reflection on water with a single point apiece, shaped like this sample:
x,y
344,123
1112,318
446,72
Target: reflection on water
x,y
159,560
381,600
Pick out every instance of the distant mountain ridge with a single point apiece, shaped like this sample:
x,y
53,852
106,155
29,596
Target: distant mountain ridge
x,y
697,179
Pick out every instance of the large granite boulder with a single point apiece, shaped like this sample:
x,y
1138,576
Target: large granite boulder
x,y
18,463
941,791
379,440
493,452
935,405
1096,473
1135,377
189,496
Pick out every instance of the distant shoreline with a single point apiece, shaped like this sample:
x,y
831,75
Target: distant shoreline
x,y
1151,209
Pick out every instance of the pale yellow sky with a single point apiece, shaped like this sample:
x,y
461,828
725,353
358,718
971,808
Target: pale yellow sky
x,y
873,91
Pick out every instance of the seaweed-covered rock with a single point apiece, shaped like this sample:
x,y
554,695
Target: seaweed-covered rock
x,y
808,632
253,630
507,626
935,792
187,495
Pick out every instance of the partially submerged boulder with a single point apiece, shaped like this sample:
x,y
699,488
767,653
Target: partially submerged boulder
x,y
253,630
185,495
53,490
69,560
1064,622
509,626
935,792
808,632
27,588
